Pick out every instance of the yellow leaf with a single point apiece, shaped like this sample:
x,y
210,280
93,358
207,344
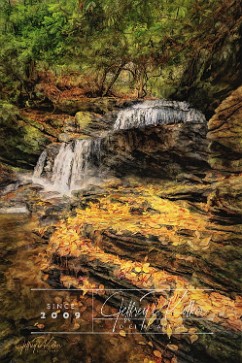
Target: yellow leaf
x,y
146,268
137,269
177,313
180,329
122,333
157,353
193,338
151,320
172,347
192,330
169,331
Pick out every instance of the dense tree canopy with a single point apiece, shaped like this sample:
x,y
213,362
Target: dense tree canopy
x,y
108,41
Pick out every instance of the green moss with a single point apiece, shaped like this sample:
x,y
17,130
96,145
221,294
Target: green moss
x,y
83,119
33,140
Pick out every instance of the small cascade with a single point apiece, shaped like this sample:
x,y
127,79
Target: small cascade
x,y
82,167
78,162
62,170
38,170
75,165
157,112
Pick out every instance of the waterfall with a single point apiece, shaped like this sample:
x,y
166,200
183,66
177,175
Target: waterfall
x,y
77,162
82,167
62,168
156,113
73,167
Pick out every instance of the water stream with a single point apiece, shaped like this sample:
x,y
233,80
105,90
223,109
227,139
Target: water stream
x,y
77,162
159,112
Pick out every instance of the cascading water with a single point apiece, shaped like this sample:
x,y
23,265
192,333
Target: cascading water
x,y
38,170
72,168
77,162
62,168
83,168
157,112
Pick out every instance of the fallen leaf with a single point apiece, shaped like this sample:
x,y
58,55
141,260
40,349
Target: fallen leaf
x,y
169,331
193,338
40,326
146,268
172,347
157,353
122,333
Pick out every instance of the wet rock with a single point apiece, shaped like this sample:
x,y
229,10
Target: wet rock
x,y
14,209
225,134
7,176
225,202
54,212
52,151
225,131
64,137
90,123
165,151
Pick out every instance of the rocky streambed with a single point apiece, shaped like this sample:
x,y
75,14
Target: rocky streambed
x,y
163,229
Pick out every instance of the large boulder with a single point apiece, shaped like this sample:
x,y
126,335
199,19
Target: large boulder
x,y
164,151
225,134
225,156
20,142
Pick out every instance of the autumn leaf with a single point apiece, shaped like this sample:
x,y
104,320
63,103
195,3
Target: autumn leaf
x,y
157,353
151,320
122,333
172,347
169,331
193,338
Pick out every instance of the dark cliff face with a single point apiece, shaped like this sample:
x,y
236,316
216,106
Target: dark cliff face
x,y
165,151
224,133
215,68
225,156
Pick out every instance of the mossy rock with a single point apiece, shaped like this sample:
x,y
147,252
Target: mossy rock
x,y
83,119
33,140
21,145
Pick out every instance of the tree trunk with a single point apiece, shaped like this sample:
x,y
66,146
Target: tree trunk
x,y
113,80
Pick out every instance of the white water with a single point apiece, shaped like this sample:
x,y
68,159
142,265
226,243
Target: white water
x,y
62,169
38,170
74,167
156,113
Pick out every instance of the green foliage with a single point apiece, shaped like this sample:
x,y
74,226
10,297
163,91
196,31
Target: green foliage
x,y
101,37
